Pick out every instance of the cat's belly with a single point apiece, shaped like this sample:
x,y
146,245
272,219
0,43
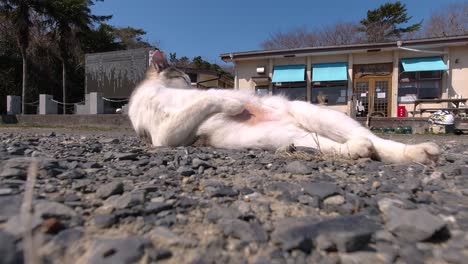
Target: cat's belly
x,y
256,114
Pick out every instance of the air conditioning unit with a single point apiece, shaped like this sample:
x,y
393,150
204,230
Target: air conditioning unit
x,y
261,70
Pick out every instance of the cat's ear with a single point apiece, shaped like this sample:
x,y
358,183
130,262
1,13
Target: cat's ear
x,y
159,60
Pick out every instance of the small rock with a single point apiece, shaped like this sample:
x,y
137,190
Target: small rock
x,y
110,189
298,167
185,171
71,174
159,254
320,189
345,233
334,200
104,220
245,231
6,191
126,250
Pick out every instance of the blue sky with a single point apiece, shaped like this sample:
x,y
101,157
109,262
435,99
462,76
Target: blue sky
x,y
211,27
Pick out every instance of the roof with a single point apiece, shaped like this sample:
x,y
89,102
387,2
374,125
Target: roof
x,y
344,48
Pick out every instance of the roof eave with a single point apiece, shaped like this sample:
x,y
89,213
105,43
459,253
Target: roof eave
x,y
340,49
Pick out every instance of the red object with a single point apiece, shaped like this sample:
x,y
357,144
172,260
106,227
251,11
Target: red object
x,y
401,112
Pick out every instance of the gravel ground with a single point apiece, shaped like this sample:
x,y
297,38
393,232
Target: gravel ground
x,y
104,197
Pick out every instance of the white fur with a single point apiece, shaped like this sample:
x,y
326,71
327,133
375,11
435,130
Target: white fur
x,y
176,115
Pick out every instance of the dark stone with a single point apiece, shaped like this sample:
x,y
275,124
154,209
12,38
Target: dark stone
x,y
185,171
157,207
344,233
8,250
159,254
110,189
245,231
320,189
124,251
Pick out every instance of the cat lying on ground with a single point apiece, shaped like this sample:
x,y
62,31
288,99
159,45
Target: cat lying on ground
x,y
165,110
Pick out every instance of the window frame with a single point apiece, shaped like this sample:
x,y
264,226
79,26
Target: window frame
x,y
342,85
418,81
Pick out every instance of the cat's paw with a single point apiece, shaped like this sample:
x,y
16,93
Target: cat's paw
x,y
232,107
425,153
360,148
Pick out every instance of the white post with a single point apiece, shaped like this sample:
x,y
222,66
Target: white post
x,y
96,105
46,105
13,105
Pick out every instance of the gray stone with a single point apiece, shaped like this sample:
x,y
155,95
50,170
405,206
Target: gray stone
x,y
413,225
124,251
46,209
220,191
157,207
320,189
104,220
298,167
218,212
110,189
361,258
185,171
345,233
10,206
71,174
242,230
126,200
8,250
6,191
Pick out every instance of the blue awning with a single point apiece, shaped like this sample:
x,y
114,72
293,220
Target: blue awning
x,y
423,64
323,72
289,73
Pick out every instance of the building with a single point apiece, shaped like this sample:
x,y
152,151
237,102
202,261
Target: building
x,y
371,78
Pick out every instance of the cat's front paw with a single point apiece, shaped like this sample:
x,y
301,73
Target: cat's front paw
x,y
232,107
425,153
360,148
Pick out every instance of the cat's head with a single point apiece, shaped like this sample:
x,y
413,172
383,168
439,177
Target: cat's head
x,y
162,71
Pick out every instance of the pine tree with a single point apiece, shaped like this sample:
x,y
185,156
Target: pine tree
x,y
383,24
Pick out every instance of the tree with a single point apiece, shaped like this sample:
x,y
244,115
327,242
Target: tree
x,y
341,33
19,13
450,21
130,37
69,18
383,23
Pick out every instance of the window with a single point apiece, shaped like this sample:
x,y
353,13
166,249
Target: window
x,y
193,77
420,85
261,90
292,90
330,93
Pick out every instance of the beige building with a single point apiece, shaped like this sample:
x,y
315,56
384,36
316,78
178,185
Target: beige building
x,y
206,79
366,78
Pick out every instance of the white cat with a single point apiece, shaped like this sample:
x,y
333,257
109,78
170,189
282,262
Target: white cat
x,y
167,111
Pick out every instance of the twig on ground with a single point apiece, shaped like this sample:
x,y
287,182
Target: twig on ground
x,y
27,215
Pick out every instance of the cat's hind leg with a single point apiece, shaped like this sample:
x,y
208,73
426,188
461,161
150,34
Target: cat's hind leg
x,y
341,128
354,148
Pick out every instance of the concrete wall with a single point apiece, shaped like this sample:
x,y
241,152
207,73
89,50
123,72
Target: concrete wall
x,y
459,71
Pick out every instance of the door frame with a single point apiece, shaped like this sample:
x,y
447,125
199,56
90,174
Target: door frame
x,y
372,79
